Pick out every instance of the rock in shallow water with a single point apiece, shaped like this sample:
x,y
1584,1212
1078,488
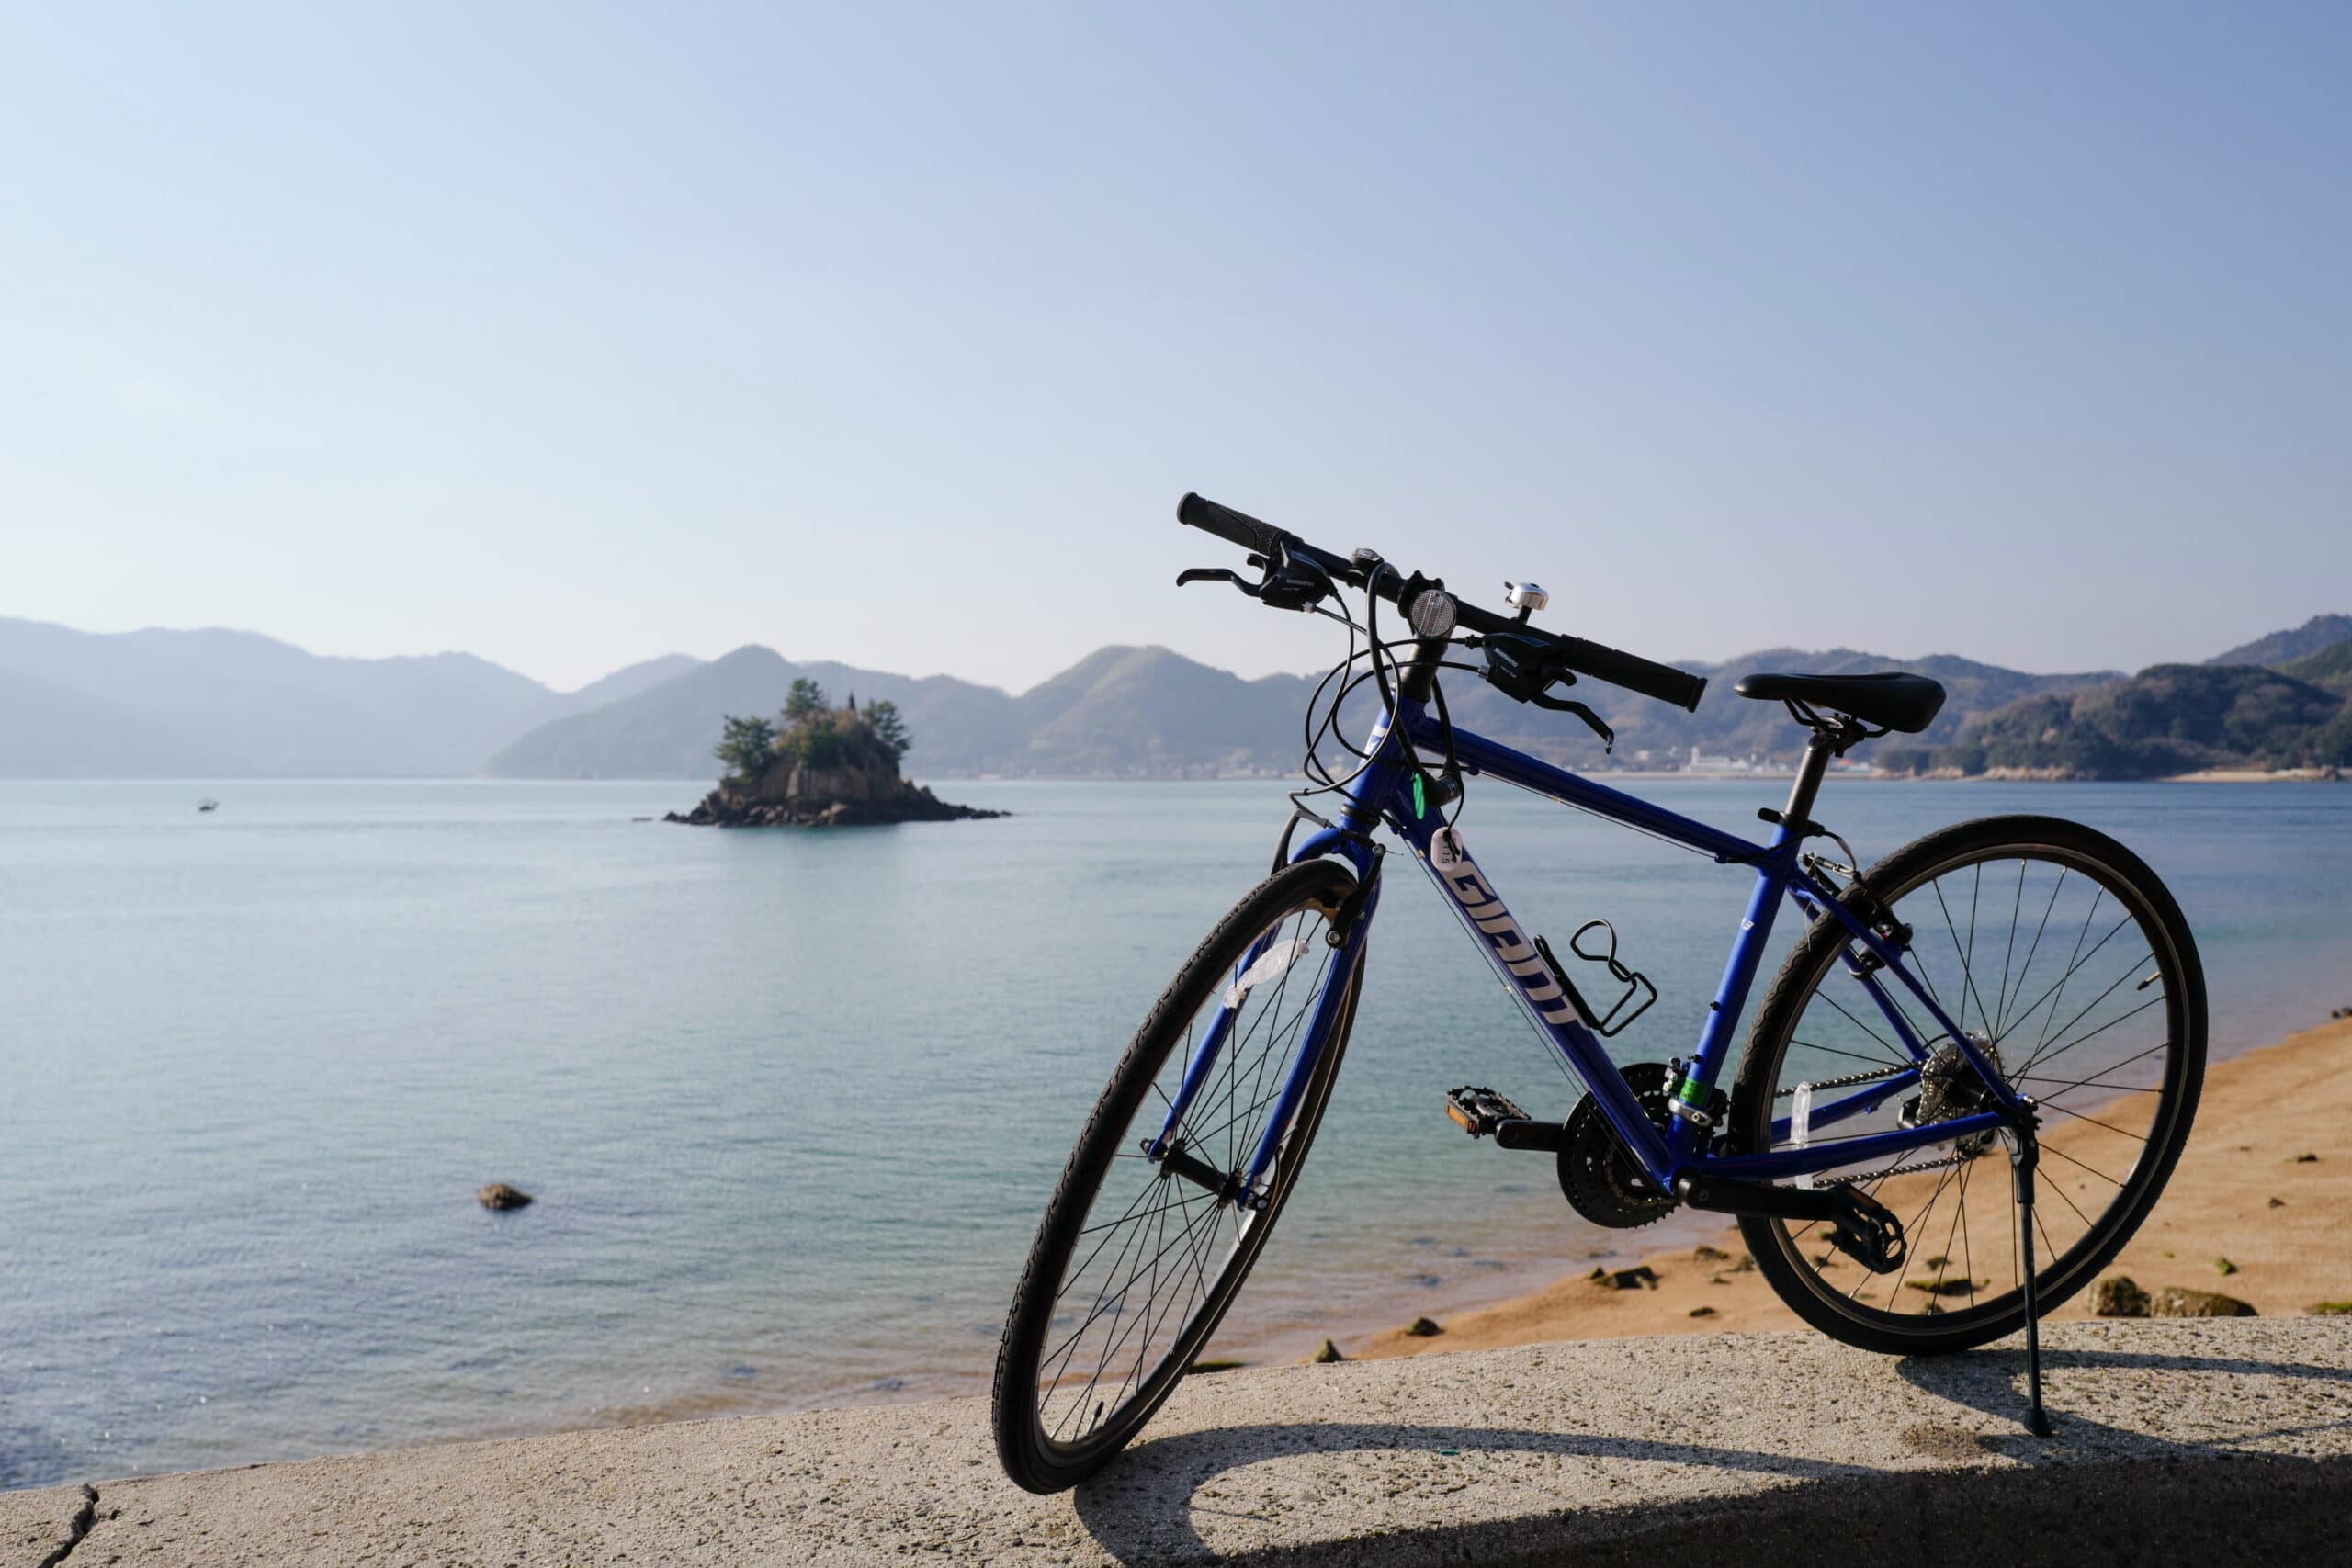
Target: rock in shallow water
x,y
498,1195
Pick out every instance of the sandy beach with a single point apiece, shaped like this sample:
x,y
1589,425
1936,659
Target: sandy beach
x,y
2261,1114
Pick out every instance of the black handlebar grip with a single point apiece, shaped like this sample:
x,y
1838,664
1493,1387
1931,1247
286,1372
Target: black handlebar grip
x,y
1235,527
1634,673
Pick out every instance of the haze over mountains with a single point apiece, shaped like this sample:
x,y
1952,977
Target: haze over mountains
x,y
231,703
221,704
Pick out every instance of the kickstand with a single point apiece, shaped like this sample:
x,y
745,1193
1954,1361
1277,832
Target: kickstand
x,y
2029,1154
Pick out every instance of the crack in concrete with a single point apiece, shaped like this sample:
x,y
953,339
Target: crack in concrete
x,y
77,1528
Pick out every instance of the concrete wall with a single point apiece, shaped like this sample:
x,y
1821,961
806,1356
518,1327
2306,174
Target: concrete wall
x,y
2175,1441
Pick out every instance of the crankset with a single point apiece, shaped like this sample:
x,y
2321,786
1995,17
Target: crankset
x,y
1598,1174
1859,1225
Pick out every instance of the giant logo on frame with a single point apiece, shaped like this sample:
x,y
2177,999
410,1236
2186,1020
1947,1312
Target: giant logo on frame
x,y
1508,945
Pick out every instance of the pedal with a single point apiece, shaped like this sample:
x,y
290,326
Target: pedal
x,y
1483,1114
1478,1111
1867,1231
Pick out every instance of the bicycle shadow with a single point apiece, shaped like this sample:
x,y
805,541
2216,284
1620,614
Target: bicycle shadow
x,y
1143,1509
1993,1382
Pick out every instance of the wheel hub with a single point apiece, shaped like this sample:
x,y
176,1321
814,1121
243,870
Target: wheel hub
x,y
1950,1089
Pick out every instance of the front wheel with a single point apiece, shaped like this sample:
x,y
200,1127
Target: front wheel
x,y
2063,958
1134,1265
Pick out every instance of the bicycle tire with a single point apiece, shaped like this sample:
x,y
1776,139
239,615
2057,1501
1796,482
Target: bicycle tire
x,y
1032,1457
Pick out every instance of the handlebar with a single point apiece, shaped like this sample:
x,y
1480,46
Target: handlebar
x,y
1634,673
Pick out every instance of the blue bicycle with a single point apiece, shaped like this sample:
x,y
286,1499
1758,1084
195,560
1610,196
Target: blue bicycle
x,y
1994,992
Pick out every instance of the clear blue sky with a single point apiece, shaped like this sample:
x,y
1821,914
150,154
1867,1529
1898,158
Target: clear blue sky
x,y
573,334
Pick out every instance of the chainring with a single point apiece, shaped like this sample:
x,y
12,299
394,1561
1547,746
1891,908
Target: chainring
x,y
1598,1176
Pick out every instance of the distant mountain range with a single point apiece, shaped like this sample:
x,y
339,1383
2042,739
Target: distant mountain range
x,y
227,703
221,703
2278,702
2314,636
2173,718
1123,712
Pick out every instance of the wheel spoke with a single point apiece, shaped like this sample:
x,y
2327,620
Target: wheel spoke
x,y
2094,1121
2042,1057
1967,977
2001,997
2056,886
2111,1068
2069,1159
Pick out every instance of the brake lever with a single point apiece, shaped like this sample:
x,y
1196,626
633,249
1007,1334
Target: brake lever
x,y
1567,705
1284,586
1214,574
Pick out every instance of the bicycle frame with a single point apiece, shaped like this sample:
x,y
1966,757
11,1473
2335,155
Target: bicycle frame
x,y
1383,794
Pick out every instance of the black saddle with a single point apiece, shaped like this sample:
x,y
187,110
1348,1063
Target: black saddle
x,y
1892,701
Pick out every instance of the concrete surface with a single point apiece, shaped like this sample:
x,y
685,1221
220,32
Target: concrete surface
x,y
2198,1440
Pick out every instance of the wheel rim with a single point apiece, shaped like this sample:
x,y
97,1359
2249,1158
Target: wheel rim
x,y
1153,1263
2064,972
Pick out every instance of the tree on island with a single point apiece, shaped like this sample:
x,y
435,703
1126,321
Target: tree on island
x,y
814,736
744,746
889,728
805,701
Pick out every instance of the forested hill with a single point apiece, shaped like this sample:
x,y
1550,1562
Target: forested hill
x,y
2277,703
2174,718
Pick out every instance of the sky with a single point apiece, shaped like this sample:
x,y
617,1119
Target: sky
x,y
575,335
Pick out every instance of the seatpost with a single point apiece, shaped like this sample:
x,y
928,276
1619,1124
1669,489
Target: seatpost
x,y
1817,752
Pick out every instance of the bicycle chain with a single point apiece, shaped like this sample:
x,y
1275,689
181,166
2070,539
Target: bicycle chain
x,y
1912,1169
1899,1170
1845,1082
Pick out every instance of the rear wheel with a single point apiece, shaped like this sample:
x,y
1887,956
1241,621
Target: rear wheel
x,y
1134,1265
2064,959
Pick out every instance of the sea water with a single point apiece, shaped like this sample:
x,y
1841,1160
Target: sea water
x,y
790,1101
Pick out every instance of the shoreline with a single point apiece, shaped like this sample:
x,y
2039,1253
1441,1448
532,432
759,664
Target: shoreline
x,y
2260,1109
2254,1105
2260,1112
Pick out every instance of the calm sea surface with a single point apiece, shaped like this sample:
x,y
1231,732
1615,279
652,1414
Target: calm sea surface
x,y
791,1102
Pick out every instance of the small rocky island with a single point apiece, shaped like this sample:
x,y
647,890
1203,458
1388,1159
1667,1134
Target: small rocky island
x,y
818,766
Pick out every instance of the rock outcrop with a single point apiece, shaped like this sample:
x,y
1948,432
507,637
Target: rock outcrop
x,y
731,806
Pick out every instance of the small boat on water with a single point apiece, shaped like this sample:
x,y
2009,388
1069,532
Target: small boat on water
x,y
207,804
